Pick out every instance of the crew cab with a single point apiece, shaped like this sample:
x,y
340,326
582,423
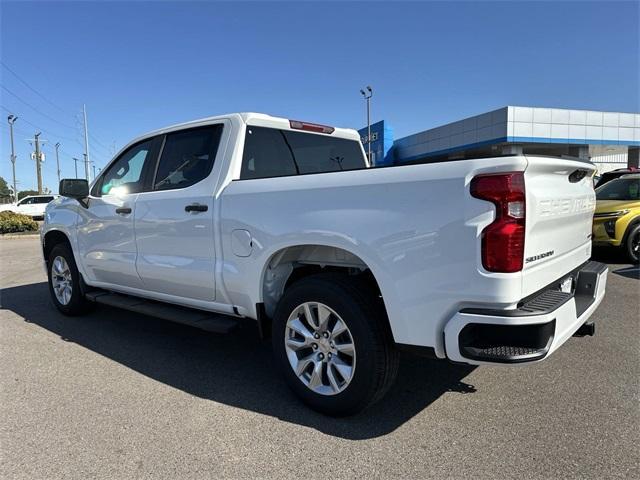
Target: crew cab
x,y
33,205
283,222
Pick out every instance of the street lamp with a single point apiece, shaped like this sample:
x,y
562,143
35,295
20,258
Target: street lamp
x,y
367,96
11,119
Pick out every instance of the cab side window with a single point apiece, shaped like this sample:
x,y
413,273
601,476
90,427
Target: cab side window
x,y
126,174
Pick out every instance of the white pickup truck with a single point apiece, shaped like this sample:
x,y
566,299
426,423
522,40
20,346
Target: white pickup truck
x,y
482,261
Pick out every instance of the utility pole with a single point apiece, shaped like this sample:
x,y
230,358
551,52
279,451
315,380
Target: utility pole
x,y
11,119
75,164
367,96
94,170
58,161
37,159
86,143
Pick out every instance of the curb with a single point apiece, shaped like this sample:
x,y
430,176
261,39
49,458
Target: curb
x,y
9,236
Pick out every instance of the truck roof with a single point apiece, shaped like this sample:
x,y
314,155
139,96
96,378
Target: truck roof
x,y
253,118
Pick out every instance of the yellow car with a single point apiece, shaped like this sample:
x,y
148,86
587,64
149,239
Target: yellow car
x,y
616,220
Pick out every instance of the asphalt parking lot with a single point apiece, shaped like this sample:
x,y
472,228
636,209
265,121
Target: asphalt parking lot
x,y
118,395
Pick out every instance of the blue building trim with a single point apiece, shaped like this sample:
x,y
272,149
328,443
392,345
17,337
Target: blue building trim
x,y
572,141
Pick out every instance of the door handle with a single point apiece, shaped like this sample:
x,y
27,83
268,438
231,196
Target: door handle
x,y
196,207
123,210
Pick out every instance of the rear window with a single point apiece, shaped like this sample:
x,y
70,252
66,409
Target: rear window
x,y
620,189
269,152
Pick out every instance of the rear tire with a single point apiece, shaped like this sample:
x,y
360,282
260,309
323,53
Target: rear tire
x,y
341,374
65,282
632,244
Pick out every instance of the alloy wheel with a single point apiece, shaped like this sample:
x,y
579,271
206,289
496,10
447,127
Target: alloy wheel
x,y
61,280
320,348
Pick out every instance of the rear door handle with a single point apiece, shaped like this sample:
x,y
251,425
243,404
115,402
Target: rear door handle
x,y
123,210
196,207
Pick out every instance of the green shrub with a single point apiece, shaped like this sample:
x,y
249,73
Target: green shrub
x,y
15,222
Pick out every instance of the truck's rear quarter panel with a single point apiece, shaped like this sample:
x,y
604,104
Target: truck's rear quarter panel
x,y
416,227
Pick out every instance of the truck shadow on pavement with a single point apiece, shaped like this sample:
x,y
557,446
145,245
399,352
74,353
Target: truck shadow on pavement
x,y
618,262
235,369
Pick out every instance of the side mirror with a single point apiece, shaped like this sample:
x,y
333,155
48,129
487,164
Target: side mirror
x,y
74,188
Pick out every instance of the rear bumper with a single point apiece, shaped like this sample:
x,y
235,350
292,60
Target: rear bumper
x,y
539,326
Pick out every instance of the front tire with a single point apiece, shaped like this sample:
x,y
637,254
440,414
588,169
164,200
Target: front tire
x,y
632,244
65,282
332,343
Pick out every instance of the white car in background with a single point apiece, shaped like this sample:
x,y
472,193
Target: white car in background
x,y
33,206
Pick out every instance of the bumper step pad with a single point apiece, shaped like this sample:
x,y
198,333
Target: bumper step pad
x,y
506,343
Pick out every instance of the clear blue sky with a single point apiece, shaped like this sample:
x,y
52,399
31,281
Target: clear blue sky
x,y
140,66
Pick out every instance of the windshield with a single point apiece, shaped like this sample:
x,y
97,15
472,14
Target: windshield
x,y
620,189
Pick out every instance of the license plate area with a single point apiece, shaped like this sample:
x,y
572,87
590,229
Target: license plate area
x,y
566,285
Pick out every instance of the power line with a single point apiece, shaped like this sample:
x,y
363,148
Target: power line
x,y
52,134
35,109
19,131
32,89
96,141
92,136
104,150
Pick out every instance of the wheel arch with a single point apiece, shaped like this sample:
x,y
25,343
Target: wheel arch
x,y
632,224
294,262
51,239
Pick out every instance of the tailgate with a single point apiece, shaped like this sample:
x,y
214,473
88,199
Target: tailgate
x,y
560,204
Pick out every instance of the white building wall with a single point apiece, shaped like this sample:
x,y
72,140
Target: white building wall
x,y
559,125
606,163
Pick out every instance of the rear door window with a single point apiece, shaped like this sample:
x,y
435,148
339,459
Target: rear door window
x,y
270,152
266,154
187,157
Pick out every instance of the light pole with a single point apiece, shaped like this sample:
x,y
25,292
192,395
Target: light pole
x,y
58,161
86,166
86,144
75,164
367,96
11,119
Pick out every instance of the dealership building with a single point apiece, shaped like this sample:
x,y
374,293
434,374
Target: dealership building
x,y
608,139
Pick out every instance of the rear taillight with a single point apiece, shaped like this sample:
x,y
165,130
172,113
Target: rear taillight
x,y
503,239
311,127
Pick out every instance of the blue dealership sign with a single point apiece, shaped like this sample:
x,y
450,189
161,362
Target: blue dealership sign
x,y
381,143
